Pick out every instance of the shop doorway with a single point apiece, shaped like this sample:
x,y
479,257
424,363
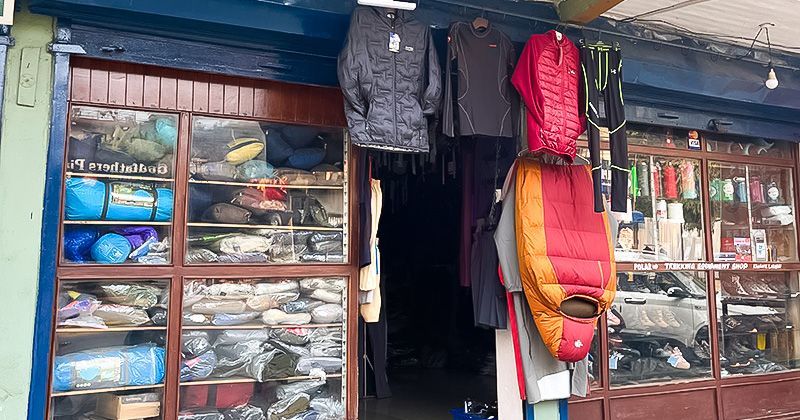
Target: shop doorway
x,y
436,357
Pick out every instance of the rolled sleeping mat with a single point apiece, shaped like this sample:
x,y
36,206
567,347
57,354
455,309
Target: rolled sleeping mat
x,y
90,199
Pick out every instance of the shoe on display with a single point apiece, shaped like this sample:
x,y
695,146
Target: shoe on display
x,y
702,350
753,288
645,320
766,287
736,287
677,360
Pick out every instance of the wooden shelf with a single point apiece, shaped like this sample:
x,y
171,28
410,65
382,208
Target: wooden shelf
x,y
104,390
243,226
115,222
258,327
81,330
237,380
122,177
255,184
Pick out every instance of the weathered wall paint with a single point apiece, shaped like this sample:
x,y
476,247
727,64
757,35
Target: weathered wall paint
x,y
23,152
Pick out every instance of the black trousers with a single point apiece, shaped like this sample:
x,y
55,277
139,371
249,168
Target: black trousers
x,y
602,76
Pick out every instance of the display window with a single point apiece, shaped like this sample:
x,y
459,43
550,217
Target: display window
x,y
659,328
274,344
752,212
266,193
111,336
757,314
119,186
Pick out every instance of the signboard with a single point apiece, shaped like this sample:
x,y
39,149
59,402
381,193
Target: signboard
x,y
6,12
716,266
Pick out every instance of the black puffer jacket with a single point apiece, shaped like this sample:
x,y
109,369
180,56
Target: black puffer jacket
x,y
389,95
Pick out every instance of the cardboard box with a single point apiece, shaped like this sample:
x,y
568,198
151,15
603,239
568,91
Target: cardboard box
x,y
129,407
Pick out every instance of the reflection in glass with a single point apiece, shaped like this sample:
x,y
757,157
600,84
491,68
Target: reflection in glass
x,y
118,195
266,193
109,348
757,315
658,328
752,210
748,146
270,347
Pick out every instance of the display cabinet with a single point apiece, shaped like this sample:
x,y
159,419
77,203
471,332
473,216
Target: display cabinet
x,y
203,269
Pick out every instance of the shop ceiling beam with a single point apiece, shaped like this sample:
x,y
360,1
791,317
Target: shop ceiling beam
x,y
583,11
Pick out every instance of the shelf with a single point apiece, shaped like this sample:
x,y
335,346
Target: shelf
x,y
236,380
104,390
242,226
255,184
257,327
766,301
122,177
115,222
67,330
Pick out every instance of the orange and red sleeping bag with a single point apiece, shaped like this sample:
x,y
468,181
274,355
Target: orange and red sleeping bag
x,y
565,255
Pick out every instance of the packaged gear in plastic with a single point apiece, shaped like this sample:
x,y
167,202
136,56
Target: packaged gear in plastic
x,y
109,367
254,359
75,303
327,296
158,316
327,314
132,294
254,170
329,408
276,287
213,307
270,301
227,213
306,158
90,199
302,305
215,171
195,343
140,237
292,176
195,319
78,241
230,290
83,321
326,242
111,249
288,407
243,258
227,338
278,317
200,255
293,336
332,284
321,258
200,367
309,211
309,387
200,414
193,292
242,244
327,364
256,201
244,412
121,315
234,319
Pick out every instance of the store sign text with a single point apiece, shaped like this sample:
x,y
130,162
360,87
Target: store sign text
x,y
706,266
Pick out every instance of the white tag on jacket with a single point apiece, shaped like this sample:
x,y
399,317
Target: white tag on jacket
x,y
394,42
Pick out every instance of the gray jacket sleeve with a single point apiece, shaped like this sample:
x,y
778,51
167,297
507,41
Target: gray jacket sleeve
x,y
349,71
433,91
448,117
505,237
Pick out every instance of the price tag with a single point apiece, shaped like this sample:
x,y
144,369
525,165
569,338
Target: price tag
x,y
394,42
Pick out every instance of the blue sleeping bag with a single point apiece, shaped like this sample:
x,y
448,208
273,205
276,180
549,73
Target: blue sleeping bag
x,y
109,367
90,199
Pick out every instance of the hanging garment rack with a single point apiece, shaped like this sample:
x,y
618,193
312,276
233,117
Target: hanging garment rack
x,y
599,32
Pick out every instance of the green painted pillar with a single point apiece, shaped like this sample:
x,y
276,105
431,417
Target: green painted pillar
x,y
547,410
23,153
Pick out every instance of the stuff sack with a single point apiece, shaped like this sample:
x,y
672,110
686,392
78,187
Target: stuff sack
x,y
243,149
306,158
109,368
90,199
254,170
111,248
216,171
226,213
309,211
199,367
78,241
565,255
256,201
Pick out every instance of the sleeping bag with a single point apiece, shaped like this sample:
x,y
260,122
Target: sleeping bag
x,y
90,199
109,367
111,248
565,255
78,241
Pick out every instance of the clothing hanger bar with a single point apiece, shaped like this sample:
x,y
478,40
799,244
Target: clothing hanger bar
x,y
554,22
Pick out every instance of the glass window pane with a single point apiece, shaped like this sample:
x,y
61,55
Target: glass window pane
x,y
118,196
266,193
109,348
665,217
671,138
594,362
752,209
268,344
757,314
748,146
658,328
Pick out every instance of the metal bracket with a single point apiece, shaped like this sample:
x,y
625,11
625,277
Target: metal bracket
x,y
56,47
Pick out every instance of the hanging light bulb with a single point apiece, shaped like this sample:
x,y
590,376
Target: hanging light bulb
x,y
772,79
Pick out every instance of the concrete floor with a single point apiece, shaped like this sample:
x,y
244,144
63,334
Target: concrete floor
x,y
421,394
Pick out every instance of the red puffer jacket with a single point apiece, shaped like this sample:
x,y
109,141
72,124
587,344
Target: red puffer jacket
x,y
547,78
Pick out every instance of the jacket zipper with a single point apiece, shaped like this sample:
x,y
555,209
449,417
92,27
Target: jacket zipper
x,y
394,82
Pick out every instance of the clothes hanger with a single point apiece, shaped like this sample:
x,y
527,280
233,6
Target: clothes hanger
x,y
480,22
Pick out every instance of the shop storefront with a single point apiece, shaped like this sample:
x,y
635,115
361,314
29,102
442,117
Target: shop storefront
x,y
155,135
